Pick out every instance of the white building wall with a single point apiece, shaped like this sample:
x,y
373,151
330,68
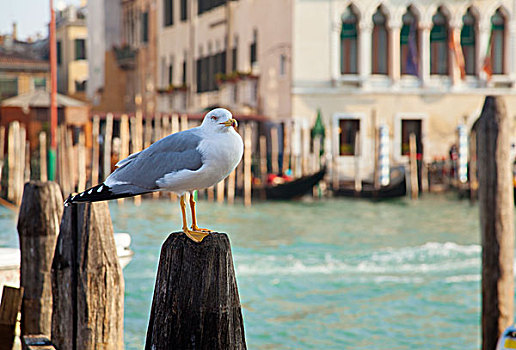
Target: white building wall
x,y
103,22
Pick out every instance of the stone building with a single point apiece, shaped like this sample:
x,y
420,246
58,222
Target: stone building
x,y
419,67
23,65
72,53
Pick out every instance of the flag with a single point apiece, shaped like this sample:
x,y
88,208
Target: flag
x,y
411,63
456,48
487,67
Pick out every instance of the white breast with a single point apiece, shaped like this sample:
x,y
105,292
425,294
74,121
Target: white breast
x,y
221,153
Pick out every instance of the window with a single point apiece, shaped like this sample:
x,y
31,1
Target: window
x,y
348,42
283,65
170,74
39,83
348,129
468,42
439,44
498,42
380,44
168,12
410,126
80,86
234,56
145,27
58,52
8,87
80,49
206,5
253,47
207,69
184,10
409,43
184,73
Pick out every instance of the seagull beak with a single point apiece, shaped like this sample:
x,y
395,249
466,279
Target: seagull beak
x,y
231,122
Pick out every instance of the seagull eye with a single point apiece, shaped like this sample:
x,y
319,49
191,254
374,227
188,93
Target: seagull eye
x,y
214,118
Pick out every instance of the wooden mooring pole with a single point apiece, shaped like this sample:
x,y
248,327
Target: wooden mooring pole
x,y
196,303
38,227
495,192
87,282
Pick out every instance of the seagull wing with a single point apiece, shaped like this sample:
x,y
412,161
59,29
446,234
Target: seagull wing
x,y
138,173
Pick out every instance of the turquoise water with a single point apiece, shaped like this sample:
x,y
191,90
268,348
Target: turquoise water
x,y
330,274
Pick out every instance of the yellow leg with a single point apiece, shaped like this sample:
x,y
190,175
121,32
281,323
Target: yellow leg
x,y
194,217
194,236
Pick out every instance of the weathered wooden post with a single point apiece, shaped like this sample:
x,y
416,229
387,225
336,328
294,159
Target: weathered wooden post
x,y
196,303
87,281
38,227
495,192
9,308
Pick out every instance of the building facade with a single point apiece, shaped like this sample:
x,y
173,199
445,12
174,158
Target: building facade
x,y
24,65
413,67
226,53
72,53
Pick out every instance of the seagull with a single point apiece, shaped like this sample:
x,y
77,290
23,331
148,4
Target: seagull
x,y
183,162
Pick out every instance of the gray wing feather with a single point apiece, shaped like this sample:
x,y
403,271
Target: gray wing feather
x,y
170,154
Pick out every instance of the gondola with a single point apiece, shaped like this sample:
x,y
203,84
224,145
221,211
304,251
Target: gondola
x,y
295,188
397,187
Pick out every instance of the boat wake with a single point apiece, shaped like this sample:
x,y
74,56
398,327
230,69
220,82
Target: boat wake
x,y
458,263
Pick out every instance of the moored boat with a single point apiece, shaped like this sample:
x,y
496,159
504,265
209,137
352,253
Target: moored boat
x,y
294,188
397,187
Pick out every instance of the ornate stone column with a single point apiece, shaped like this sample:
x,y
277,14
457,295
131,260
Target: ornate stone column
x,y
394,50
424,52
364,53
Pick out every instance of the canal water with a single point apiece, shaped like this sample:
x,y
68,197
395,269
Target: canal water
x,y
330,274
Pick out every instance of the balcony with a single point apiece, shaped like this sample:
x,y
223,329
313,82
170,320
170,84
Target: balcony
x,y
125,57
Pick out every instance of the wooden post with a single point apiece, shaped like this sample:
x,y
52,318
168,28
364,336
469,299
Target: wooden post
x,y
43,172
71,168
81,162
358,178
184,122
108,137
274,150
165,130
95,151
21,165
220,191
2,151
40,213
263,160
9,308
495,192
196,303
473,182
286,147
414,185
247,165
11,156
231,187
147,136
27,170
87,281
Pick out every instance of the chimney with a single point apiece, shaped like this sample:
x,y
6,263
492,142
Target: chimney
x,y
15,31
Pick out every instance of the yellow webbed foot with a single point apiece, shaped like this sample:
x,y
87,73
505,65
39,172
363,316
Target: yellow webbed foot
x,y
195,228
196,236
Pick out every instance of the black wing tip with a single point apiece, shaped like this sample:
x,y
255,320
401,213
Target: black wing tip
x,y
94,194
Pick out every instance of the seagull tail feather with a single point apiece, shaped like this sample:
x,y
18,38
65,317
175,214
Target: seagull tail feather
x,y
102,192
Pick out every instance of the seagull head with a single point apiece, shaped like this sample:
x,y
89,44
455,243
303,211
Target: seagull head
x,y
219,119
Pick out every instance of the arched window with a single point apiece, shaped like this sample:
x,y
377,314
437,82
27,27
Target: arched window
x,y
468,42
498,42
439,62
380,44
409,44
348,42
